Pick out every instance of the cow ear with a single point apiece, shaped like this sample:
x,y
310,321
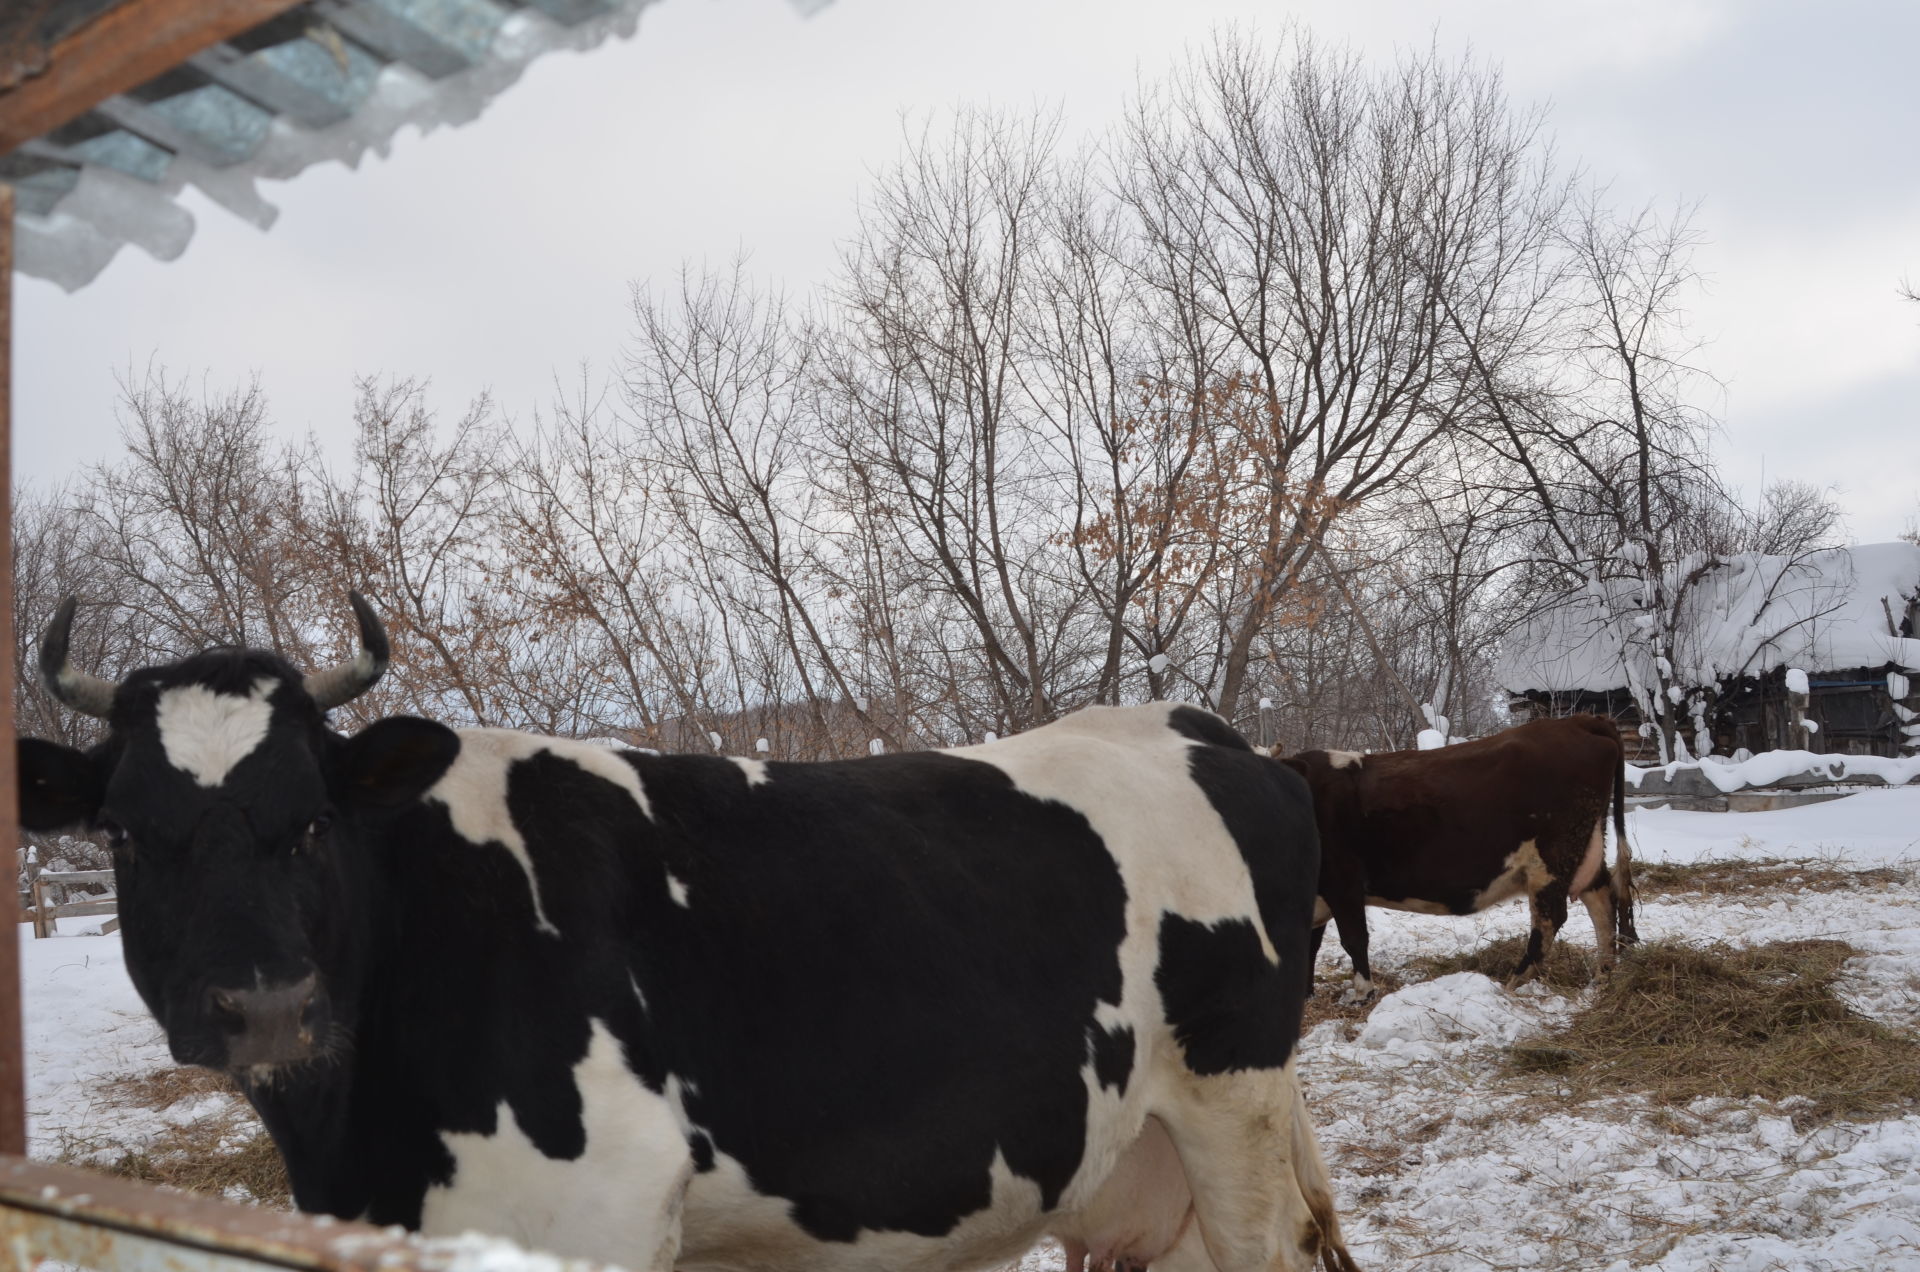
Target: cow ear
x,y
394,761
59,786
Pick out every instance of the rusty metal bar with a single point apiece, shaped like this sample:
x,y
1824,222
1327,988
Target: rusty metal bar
x,y
13,1069
77,1217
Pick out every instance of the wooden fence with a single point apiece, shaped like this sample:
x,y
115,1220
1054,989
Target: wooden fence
x,y
46,898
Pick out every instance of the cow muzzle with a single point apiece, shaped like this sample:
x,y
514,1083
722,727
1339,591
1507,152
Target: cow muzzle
x,y
270,1026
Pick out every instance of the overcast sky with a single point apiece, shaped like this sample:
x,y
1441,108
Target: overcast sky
x,y
499,256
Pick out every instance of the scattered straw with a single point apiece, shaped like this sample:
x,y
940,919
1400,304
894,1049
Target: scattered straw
x,y
1567,967
202,1158
164,1088
1329,1001
1681,1022
224,1152
1765,874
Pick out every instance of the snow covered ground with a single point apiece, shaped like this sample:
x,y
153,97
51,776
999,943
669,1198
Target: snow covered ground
x,y
85,1027
1440,1169
1441,1164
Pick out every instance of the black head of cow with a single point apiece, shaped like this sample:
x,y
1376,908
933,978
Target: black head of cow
x,y
243,832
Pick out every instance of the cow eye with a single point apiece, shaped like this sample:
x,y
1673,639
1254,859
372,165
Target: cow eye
x,y
317,828
117,837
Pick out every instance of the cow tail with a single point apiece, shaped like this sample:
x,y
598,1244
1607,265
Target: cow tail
x,y
1316,1189
1623,863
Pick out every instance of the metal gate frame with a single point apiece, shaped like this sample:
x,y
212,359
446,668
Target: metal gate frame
x,y
74,1216
62,1213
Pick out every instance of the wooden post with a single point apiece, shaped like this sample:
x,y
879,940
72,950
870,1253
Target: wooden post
x,y
13,1069
1798,703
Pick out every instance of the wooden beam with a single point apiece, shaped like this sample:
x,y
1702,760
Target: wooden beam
x,y
13,1069
119,50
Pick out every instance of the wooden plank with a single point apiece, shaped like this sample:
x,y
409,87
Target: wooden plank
x,y
77,876
84,909
13,1069
118,51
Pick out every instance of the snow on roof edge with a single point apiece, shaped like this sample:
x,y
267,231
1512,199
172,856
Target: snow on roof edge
x,y
107,209
1826,611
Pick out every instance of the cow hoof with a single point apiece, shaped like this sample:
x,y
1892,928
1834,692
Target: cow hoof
x,y
1355,995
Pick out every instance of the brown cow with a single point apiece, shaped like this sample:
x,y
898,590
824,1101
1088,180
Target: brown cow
x,y
1461,828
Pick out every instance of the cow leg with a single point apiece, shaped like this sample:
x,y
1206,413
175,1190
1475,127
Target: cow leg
x,y
1549,916
1350,916
1315,936
1261,1196
1623,892
1599,902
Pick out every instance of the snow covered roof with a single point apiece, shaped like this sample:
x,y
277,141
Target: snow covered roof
x,y
326,79
1825,611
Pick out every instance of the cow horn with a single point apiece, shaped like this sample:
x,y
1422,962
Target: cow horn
x,y
346,681
80,690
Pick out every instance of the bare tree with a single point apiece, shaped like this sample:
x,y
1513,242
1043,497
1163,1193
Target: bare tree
x,y
933,424
589,567
54,556
1306,385
412,525
1631,521
719,389
1315,224
200,523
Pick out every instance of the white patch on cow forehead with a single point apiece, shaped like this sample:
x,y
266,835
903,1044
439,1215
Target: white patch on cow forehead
x,y
205,733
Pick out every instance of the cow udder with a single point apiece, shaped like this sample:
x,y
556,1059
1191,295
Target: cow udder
x,y
1139,1212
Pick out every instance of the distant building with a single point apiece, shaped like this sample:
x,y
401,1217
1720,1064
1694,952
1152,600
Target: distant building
x,y
1849,618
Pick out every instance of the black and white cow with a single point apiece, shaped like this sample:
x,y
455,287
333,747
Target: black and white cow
x,y
688,1012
